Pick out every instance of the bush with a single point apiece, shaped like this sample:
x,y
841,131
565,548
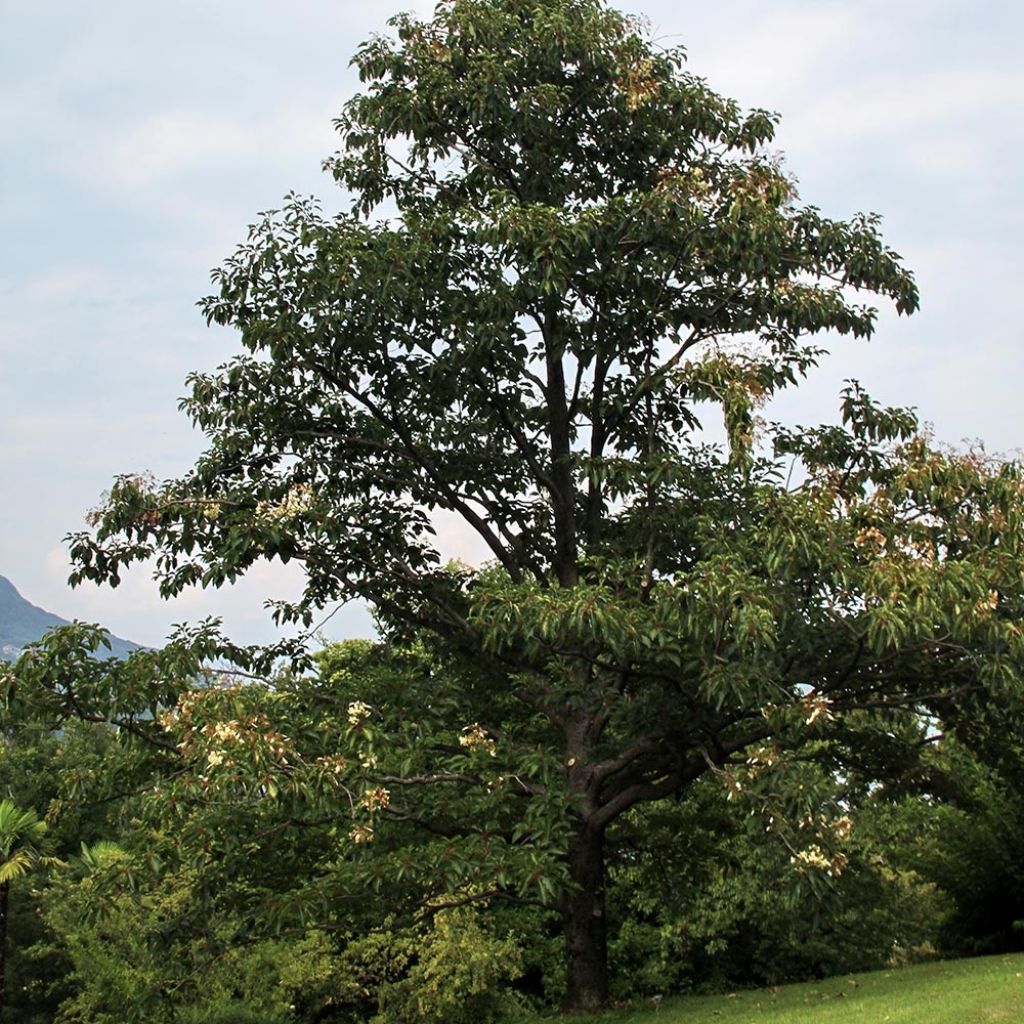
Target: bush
x,y
235,1012
461,975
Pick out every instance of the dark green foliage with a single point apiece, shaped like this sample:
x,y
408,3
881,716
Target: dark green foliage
x,y
230,1013
970,844
229,869
37,965
703,897
152,947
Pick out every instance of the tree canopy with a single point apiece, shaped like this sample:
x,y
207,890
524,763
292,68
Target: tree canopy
x,y
560,252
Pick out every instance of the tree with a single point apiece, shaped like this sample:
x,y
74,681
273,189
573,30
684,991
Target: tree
x,y
561,250
22,847
143,947
732,907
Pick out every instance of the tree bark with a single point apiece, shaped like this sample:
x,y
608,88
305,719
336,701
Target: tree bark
x,y
585,926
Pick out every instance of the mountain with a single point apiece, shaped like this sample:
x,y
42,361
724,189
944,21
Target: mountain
x,y
21,622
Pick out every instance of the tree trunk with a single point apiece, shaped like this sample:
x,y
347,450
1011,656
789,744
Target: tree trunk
x,y
585,927
5,889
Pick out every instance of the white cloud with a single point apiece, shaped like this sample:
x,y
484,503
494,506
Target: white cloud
x,y
135,611
769,53
66,284
166,144
893,106
455,538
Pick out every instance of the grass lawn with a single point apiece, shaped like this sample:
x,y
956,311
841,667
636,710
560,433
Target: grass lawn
x,y
986,990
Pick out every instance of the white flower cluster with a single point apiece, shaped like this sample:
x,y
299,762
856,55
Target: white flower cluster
x,y
361,834
762,760
333,763
474,737
871,540
358,712
987,604
814,857
224,732
375,799
842,828
816,707
299,499
733,785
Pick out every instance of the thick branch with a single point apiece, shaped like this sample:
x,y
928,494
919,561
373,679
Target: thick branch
x,y
563,495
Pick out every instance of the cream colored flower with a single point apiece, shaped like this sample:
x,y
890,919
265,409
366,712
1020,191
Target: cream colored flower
x,y
842,827
474,737
813,857
299,499
358,712
333,763
361,834
816,707
376,798
870,539
987,604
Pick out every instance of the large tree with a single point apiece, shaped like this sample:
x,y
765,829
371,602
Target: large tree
x,y
559,249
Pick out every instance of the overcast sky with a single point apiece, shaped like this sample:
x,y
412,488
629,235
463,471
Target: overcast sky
x,y
138,140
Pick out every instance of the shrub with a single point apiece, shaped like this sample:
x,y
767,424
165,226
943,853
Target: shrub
x,y
461,975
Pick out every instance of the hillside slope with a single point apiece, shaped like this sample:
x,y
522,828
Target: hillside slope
x,y
986,990
21,622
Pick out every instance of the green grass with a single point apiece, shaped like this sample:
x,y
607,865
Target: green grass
x,y
986,990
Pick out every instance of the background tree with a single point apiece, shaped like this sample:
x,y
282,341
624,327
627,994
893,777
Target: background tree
x,y
240,847
964,822
732,906
23,847
34,968
561,249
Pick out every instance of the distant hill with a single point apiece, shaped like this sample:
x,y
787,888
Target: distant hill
x,y
21,622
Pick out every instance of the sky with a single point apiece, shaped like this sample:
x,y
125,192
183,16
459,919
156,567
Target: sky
x,y
139,139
